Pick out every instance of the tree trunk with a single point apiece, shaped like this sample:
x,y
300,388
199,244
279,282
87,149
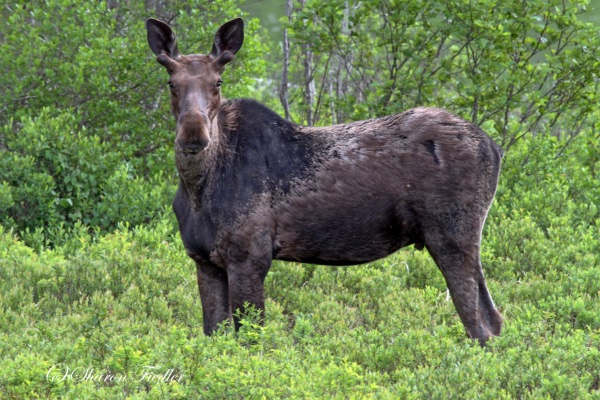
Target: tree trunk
x,y
283,93
309,84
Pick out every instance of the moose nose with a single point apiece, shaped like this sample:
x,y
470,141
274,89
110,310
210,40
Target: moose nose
x,y
192,133
191,148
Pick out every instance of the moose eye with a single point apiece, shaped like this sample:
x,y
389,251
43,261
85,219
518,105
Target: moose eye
x,y
171,85
219,83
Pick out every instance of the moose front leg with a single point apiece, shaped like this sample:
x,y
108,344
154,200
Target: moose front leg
x,y
246,286
248,262
214,294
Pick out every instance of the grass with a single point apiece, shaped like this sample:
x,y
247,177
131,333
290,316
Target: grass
x,y
120,317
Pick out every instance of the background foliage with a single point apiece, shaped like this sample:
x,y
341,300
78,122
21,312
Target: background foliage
x,y
84,114
517,68
93,276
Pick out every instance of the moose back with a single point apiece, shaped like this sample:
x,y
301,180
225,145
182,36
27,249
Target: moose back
x,y
255,187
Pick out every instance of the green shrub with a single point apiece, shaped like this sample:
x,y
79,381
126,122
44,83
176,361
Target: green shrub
x,y
99,300
85,128
59,177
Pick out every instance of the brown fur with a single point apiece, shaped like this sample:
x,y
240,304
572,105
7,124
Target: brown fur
x,y
255,187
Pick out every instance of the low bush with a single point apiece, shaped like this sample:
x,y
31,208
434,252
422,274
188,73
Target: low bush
x,y
57,174
99,300
118,314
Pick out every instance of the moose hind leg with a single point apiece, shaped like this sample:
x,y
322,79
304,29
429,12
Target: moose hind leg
x,y
461,267
487,309
214,294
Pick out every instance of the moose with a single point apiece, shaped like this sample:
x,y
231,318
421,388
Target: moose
x,y
254,187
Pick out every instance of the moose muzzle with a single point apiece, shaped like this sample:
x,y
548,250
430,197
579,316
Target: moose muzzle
x,y
193,133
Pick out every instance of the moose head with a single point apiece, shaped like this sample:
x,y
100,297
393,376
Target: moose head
x,y
195,81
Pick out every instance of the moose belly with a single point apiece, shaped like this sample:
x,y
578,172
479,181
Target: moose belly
x,y
343,230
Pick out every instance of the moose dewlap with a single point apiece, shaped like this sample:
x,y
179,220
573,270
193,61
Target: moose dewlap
x,y
255,187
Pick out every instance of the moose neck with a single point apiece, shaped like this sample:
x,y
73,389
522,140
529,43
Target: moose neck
x,y
195,169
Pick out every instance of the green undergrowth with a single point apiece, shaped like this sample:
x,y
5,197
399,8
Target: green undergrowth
x,y
99,300
119,316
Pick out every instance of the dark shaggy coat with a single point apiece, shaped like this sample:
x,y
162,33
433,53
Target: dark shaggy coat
x,y
255,187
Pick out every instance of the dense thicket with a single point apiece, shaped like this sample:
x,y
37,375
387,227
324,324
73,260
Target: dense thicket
x,y
85,120
517,68
93,275
85,128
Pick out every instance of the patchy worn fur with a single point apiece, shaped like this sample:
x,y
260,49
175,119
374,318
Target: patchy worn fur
x,y
263,188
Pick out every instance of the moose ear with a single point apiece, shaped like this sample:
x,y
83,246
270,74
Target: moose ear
x,y
229,37
161,38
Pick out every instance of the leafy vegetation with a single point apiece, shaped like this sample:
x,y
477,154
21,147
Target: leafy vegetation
x,y
517,68
99,300
84,120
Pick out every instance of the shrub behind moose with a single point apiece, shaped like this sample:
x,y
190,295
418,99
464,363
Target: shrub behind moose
x,y
255,187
